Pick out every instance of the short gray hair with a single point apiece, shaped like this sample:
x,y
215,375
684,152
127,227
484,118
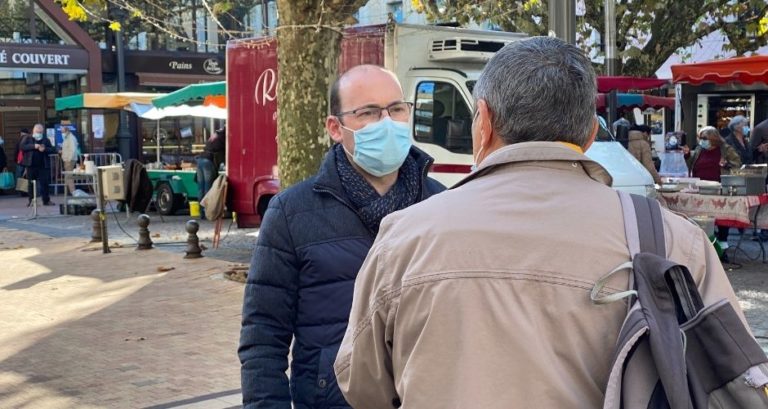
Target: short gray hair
x,y
736,121
540,89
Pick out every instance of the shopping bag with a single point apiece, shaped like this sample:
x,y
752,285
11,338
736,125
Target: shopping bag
x,y
22,184
7,180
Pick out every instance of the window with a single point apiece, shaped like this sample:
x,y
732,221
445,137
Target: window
x,y
441,117
395,9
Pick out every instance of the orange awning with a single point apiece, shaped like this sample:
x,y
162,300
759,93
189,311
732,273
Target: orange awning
x,y
746,70
216,100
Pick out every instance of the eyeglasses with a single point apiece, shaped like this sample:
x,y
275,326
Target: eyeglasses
x,y
398,111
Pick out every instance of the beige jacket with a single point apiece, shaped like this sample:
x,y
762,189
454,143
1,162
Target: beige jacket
x,y
640,148
479,296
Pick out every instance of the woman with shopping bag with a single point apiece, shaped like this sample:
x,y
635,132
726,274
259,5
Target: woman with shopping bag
x,y
7,181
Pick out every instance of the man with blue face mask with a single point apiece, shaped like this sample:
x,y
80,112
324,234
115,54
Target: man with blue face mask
x,y
314,239
38,163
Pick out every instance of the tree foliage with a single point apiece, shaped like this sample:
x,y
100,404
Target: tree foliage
x,y
648,32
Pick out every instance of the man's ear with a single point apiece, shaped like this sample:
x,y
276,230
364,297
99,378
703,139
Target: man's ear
x,y
593,134
484,119
333,127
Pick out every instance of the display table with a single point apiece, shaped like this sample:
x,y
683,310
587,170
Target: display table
x,y
729,211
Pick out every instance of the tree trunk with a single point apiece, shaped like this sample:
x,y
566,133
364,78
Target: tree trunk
x,y
307,59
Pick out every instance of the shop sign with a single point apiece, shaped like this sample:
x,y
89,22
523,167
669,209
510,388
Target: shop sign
x,y
170,64
31,57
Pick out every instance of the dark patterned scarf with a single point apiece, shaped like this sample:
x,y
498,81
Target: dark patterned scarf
x,y
372,207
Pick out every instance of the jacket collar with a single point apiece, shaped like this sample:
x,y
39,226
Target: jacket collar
x,y
545,153
327,178
636,136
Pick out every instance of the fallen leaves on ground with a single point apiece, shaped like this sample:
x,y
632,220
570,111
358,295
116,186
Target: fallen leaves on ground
x,y
163,269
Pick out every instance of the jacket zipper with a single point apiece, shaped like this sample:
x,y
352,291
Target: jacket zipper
x,y
345,203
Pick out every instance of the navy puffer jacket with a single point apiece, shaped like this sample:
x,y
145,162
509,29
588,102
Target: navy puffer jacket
x,y
300,284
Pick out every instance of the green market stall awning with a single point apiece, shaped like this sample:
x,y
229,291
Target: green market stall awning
x,y
192,92
115,100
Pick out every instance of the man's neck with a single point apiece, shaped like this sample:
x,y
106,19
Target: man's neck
x,y
381,184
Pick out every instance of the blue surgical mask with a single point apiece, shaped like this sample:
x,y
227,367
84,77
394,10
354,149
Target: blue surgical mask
x,y
37,136
381,147
704,143
745,131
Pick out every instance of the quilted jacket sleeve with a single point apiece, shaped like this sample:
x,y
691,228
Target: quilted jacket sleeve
x,y
269,313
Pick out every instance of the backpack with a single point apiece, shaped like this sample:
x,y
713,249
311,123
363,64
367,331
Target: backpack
x,y
673,351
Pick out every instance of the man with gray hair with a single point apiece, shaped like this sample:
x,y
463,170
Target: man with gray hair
x,y
37,150
739,127
479,297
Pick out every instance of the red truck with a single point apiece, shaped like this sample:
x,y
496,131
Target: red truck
x,y
437,67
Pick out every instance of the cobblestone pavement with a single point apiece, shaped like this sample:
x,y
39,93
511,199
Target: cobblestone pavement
x,y
79,329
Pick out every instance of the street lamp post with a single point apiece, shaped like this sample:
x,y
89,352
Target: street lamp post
x,y
123,134
562,20
611,60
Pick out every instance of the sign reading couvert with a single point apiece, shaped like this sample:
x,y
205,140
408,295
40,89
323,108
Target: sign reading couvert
x,y
32,57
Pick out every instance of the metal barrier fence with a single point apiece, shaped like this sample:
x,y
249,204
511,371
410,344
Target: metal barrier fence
x,y
57,166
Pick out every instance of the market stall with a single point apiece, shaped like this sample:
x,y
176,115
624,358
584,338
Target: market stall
x,y
174,179
713,92
641,101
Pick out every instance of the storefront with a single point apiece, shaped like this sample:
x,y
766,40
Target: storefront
x,y
42,58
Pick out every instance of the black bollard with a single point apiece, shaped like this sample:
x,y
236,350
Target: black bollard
x,y
145,243
96,228
193,242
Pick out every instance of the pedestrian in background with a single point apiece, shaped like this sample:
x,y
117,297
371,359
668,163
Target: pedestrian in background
x,y
480,296
38,163
640,148
739,127
712,157
19,155
3,159
314,238
70,150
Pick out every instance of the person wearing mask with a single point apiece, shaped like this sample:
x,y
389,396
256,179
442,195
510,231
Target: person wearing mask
x,y
38,164
468,300
314,238
70,150
739,127
640,147
712,157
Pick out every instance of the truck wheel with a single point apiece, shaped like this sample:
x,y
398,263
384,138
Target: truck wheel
x,y
167,203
